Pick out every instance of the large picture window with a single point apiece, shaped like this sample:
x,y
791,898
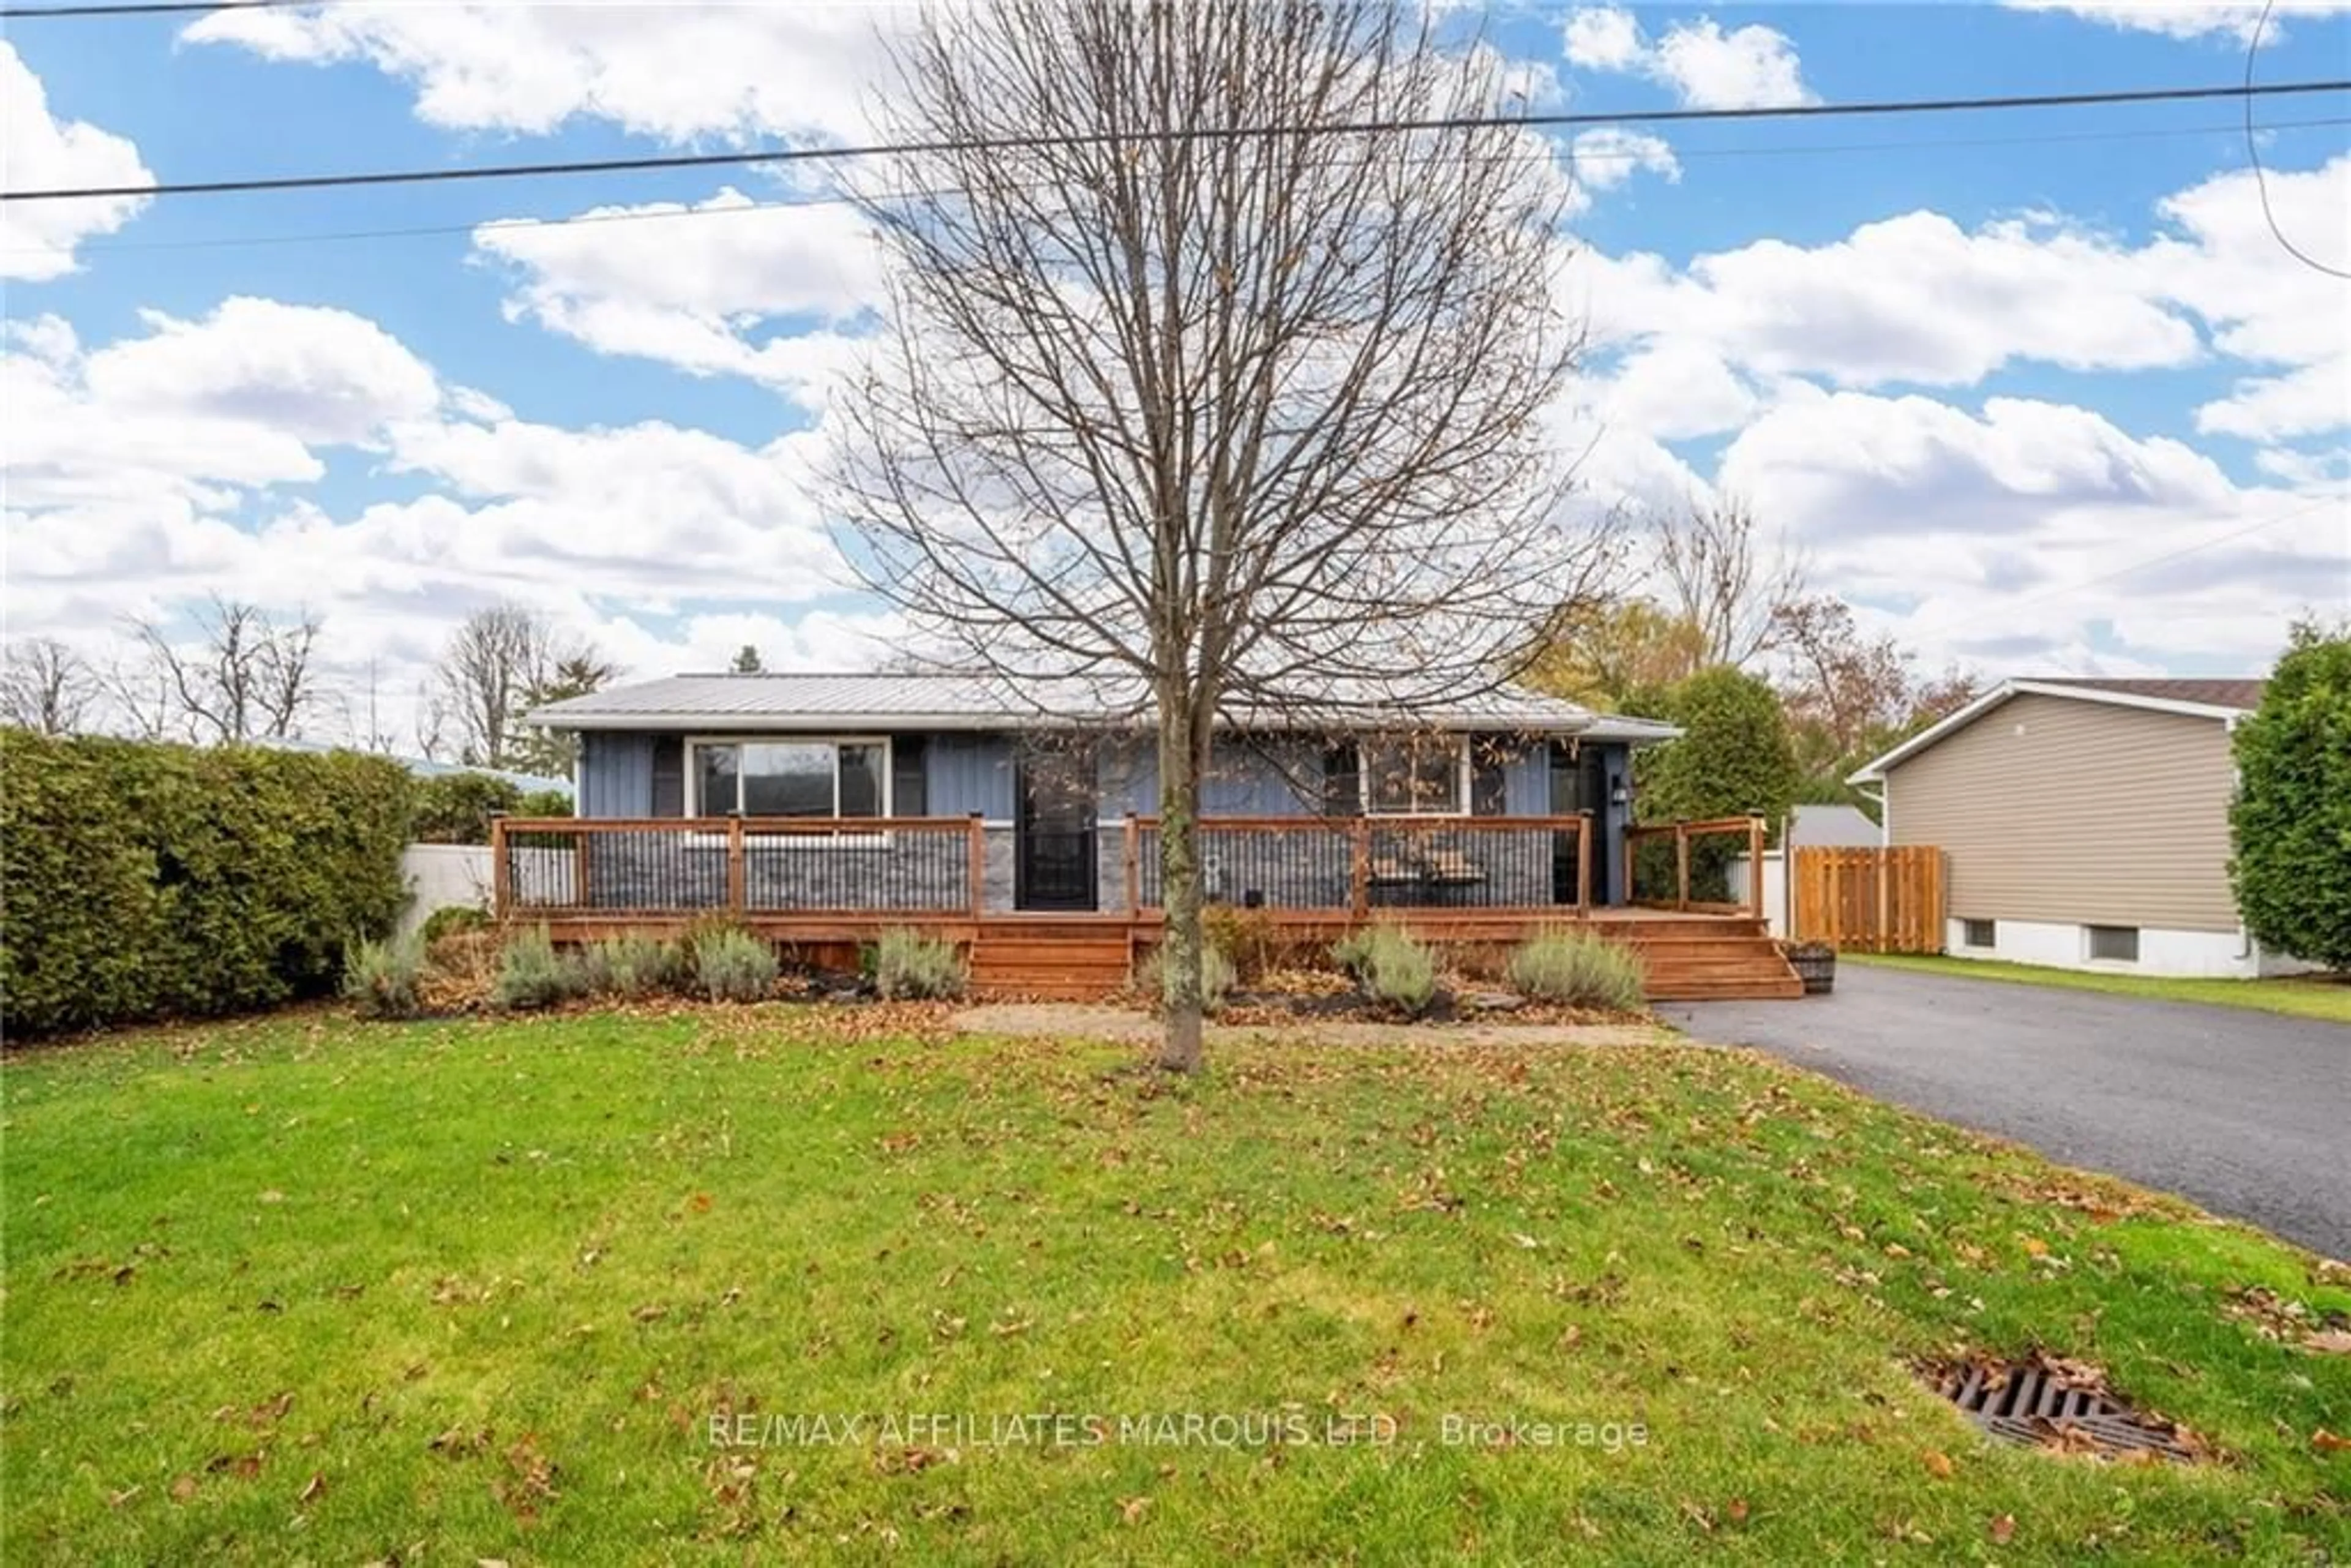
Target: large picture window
x,y
1417,775
792,777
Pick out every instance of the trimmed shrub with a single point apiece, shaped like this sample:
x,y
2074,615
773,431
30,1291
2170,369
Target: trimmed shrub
x,y
532,974
907,964
733,966
1581,969
632,965
457,808
146,881
1217,978
2291,824
451,918
1399,970
381,977
544,803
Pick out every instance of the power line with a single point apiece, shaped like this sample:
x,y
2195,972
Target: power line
x,y
2253,156
2008,606
1039,140
669,214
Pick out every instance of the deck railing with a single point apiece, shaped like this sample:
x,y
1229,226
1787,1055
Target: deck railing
x,y
1679,866
748,865
1353,865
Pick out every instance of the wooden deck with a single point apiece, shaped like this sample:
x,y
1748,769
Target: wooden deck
x,y
825,889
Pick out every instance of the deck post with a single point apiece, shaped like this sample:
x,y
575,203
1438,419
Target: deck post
x,y
1133,866
737,888
1358,868
501,877
1681,865
975,849
1755,866
1584,865
1630,896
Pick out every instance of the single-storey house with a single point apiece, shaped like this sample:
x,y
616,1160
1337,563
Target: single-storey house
x,y
1054,790
2084,823
1024,822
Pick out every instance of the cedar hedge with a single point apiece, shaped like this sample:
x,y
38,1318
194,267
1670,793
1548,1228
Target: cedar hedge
x,y
148,880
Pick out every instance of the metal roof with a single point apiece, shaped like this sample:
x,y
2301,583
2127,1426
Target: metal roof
x,y
787,702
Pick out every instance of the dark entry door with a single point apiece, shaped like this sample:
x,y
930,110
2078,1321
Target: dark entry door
x,y
1053,865
1579,782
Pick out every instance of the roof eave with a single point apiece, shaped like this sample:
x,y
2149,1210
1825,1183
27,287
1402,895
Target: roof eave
x,y
1873,772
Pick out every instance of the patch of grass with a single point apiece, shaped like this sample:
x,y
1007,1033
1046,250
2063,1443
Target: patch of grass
x,y
467,1289
2298,995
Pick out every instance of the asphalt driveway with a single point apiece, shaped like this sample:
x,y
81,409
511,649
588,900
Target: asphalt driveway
x,y
2248,1113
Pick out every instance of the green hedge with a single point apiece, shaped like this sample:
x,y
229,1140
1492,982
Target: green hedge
x,y
457,808
146,881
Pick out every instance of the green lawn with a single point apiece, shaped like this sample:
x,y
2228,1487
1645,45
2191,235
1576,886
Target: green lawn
x,y
2309,996
305,1289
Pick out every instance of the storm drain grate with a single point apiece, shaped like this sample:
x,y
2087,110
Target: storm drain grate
x,y
2025,1402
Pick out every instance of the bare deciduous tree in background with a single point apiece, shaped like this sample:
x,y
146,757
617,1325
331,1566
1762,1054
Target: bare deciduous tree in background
x,y
244,675
1718,576
46,686
1246,423
501,662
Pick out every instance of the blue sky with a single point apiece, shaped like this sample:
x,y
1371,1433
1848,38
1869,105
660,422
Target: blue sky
x,y
1981,370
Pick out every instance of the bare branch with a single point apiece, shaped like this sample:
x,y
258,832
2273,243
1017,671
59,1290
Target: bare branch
x,y
46,686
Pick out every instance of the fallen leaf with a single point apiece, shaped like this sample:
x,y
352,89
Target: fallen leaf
x,y
1131,1508
2329,1342
2004,1530
1938,1464
313,1489
1737,1511
2035,1248
184,1489
2327,1442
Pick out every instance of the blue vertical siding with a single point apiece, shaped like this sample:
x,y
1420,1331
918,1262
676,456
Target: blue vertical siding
x,y
616,775
1526,781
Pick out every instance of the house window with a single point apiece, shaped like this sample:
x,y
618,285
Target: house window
x,y
1977,934
2118,943
1417,775
792,777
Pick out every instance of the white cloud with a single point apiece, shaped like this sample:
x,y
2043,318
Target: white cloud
x,y
1603,39
37,239
680,72
1605,157
145,473
738,289
2231,21
1753,67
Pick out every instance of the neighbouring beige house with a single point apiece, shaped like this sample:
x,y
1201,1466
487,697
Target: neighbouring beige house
x,y
2084,823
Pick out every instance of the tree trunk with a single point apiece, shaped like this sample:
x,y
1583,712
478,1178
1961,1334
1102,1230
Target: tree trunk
x,y
1179,881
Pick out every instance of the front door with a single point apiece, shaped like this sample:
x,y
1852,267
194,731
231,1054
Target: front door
x,y
1579,782
1053,865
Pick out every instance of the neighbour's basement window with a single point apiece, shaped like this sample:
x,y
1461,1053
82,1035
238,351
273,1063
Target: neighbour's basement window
x,y
1977,933
2119,943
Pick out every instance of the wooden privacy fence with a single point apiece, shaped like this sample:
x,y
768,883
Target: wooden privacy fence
x,y
1885,900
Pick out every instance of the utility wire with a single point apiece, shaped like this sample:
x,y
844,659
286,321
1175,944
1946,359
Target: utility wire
x,y
1035,141
2008,606
2253,155
670,213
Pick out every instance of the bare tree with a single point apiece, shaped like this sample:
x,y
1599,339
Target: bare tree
x,y
1219,384
46,686
501,662
1717,576
243,676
